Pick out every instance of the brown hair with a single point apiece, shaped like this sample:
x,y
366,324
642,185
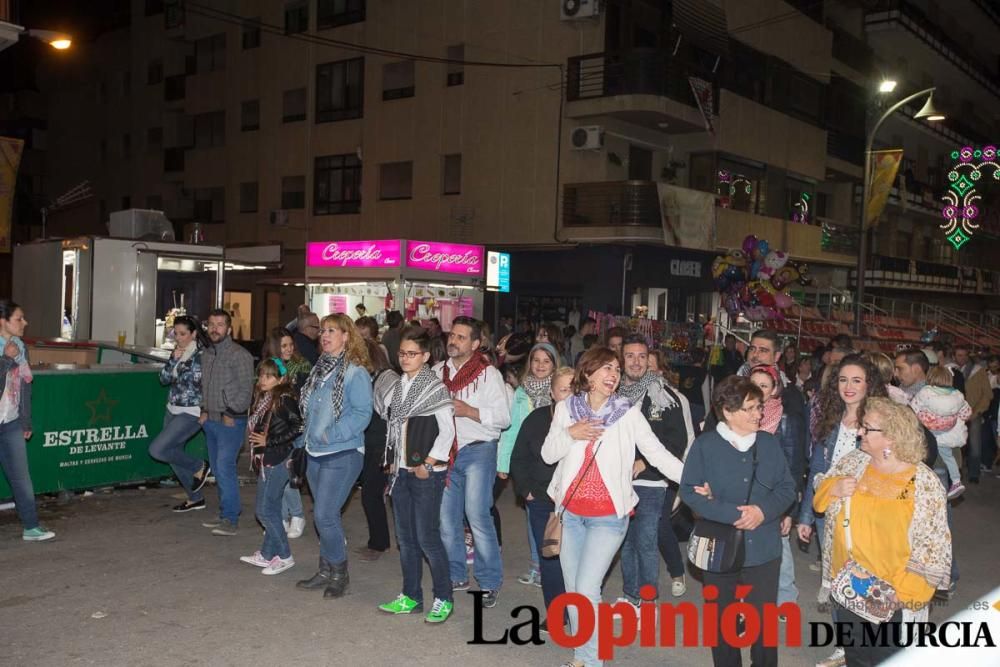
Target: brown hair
x,y
831,406
940,376
272,346
589,362
731,393
283,388
356,351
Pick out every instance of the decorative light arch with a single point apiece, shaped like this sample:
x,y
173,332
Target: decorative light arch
x,y
960,210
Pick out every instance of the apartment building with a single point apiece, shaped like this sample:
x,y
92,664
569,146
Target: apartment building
x,y
537,126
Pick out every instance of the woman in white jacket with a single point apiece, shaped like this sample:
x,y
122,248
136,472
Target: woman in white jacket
x,y
943,409
593,438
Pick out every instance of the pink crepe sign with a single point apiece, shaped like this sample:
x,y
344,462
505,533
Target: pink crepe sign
x,y
445,257
353,254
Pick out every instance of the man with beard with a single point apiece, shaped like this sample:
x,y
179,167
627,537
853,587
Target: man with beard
x,y
227,386
649,532
481,413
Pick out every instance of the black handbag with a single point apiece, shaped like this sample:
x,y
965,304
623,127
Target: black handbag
x,y
297,464
718,547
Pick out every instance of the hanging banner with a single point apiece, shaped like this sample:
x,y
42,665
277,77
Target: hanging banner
x,y
10,160
705,98
885,164
688,217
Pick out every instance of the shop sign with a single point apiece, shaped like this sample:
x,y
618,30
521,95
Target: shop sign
x,y
498,271
353,254
679,267
445,257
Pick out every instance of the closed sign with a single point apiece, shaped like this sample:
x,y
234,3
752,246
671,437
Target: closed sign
x,y
681,268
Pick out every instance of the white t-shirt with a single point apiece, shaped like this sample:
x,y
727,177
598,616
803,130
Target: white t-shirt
x,y
847,442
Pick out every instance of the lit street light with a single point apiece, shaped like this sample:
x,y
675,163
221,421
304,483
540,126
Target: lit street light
x,y
57,40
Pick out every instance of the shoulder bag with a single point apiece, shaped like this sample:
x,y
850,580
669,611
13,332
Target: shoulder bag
x,y
552,537
859,591
718,547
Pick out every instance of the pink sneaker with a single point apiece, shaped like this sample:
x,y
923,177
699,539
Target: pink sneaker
x,y
278,565
256,559
955,490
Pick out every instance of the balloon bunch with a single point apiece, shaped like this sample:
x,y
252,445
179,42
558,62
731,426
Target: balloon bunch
x,y
753,279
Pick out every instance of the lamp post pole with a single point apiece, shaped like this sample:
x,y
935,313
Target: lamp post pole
x,y
859,292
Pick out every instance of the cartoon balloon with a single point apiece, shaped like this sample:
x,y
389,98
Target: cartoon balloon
x,y
719,265
783,300
749,243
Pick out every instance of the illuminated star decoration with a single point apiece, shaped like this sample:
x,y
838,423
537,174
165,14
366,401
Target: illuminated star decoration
x,y
100,408
960,210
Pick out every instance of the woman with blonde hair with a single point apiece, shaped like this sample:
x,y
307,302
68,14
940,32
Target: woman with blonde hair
x,y
336,404
888,546
886,369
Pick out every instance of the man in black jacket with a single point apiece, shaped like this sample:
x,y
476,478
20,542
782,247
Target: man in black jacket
x,y
649,532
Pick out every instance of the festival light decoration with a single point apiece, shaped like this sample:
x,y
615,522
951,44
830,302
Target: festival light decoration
x,y
960,210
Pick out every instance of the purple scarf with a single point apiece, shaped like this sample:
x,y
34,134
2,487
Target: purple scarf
x,y
610,412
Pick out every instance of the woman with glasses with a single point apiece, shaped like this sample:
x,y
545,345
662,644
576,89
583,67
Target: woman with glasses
x,y
720,473
898,525
336,404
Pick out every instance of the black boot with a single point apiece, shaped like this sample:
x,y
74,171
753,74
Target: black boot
x,y
318,580
339,580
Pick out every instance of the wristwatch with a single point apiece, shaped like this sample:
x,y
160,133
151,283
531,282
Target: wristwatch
x,y
429,467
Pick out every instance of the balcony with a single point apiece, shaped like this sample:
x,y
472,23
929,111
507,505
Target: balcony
x,y
803,242
174,88
612,210
649,88
894,13
851,51
908,274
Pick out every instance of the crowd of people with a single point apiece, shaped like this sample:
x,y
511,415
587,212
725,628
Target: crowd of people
x,y
601,432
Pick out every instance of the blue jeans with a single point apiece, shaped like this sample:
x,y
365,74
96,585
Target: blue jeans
x,y
291,504
670,549
589,544
271,486
416,508
539,510
948,459
224,444
14,462
640,556
787,592
168,447
532,545
469,494
331,479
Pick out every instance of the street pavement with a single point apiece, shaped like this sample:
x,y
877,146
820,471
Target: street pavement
x,y
127,582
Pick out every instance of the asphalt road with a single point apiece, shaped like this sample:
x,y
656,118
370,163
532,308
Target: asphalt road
x,y
127,582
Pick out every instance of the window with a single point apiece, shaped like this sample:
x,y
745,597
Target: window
x,y
210,129
741,187
173,159
210,53
293,192
332,13
127,146
251,34
451,174
340,90
154,72
173,88
250,116
154,202
799,205
337,182
154,7
248,197
296,17
154,139
398,80
293,105
210,204
126,203
456,72
395,180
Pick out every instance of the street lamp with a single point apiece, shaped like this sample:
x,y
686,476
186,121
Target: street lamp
x,y
57,40
927,112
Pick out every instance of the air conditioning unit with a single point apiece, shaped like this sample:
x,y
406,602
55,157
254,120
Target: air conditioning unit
x,y
588,138
141,224
579,10
279,218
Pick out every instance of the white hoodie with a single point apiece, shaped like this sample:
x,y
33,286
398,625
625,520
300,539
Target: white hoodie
x,y
944,411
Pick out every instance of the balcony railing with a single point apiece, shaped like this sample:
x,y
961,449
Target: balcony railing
x,y
9,11
611,204
636,73
845,147
920,25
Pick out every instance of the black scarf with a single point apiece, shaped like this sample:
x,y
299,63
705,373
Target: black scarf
x,y
326,366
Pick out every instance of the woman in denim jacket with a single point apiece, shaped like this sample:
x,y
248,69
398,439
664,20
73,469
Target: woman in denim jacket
x,y
336,403
182,373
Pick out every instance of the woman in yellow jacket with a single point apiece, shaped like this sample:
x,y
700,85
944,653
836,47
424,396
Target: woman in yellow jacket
x,y
898,521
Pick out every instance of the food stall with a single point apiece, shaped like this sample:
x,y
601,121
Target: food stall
x,y
421,279
113,289
95,409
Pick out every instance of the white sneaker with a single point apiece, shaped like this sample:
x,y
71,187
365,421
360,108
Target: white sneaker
x,y
835,659
286,523
256,559
678,587
296,525
278,565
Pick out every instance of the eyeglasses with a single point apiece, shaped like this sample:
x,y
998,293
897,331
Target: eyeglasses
x,y
758,408
330,330
403,354
868,429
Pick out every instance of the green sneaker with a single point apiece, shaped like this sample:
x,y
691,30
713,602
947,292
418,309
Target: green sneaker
x,y
440,612
401,605
37,534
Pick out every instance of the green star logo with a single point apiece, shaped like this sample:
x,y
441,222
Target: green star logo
x,y
962,185
100,408
958,238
